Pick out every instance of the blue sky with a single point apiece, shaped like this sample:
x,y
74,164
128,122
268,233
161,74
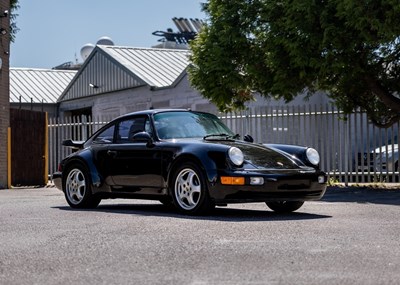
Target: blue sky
x,y
53,31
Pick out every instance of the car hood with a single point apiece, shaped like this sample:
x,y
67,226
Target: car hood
x,y
260,157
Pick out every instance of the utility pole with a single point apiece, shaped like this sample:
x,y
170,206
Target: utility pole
x,y
4,91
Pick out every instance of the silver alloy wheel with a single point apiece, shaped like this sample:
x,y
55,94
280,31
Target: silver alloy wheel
x,y
75,186
187,189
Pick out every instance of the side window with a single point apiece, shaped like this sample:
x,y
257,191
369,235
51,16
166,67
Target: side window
x,y
105,136
128,128
123,131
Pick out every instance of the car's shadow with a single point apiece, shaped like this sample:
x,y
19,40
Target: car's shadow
x,y
218,214
232,214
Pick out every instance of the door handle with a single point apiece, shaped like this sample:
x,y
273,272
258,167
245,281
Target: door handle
x,y
112,153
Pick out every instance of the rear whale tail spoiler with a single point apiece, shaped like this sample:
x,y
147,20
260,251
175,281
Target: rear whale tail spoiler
x,y
76,145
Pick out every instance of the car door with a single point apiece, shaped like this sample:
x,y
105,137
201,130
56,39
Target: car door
x,y
135,164
99,148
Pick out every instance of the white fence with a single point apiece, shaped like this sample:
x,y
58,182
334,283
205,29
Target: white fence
x,y
75,128
349,148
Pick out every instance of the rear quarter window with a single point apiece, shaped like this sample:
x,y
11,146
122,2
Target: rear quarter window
x,y
106,136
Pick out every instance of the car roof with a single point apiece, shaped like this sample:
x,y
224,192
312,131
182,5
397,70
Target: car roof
x,y
152,111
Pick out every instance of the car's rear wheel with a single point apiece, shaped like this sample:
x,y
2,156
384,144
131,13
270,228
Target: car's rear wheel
x,y
285,206
77,188
189,190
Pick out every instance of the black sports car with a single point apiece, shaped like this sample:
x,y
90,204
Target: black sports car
x,y
187,159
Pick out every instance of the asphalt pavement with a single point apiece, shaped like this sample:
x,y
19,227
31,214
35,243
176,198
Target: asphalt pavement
x,y
351,236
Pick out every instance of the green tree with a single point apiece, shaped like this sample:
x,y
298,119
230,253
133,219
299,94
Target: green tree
x,y
350,49
13,17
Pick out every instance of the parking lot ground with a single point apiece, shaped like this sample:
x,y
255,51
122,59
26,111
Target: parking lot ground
x,y
350,237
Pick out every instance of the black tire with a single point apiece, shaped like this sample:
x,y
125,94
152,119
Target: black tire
x,y
189,192
167,202
285,206
77,188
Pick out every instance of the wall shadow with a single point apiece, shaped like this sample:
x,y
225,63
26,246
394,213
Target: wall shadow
x,y
387,196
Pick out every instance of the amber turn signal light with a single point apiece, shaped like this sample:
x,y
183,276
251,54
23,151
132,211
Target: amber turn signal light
x,y
228,180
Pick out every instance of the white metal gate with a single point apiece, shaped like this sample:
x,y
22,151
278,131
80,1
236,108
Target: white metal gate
x,y
351,149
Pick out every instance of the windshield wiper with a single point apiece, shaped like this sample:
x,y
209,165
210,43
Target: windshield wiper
x,y
226,136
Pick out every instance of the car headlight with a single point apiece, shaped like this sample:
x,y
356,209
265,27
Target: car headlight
x,y
313,156
236,156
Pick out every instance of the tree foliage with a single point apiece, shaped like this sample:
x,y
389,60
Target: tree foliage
x,y
281,48
13,17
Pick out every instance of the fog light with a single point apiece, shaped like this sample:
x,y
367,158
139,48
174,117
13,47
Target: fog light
x,y
321,179
256,181
228,180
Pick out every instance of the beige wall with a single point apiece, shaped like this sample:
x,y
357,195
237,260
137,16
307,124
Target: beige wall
x,y
141,98
50,109
180,96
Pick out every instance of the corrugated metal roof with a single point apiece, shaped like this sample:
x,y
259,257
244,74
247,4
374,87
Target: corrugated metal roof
x,y
157,67
113,68
38,85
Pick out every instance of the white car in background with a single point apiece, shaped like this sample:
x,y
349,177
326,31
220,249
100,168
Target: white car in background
x,y
387,158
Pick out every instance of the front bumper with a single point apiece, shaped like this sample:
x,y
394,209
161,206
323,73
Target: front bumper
x,y
276,187
57,180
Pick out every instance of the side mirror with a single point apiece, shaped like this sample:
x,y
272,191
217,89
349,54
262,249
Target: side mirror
x,y
143,137
248,138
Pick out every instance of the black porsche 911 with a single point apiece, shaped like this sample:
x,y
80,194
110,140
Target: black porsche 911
x,y
187,159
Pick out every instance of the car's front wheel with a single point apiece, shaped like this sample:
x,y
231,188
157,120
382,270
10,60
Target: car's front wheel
x,y
189,190
77,188
285,206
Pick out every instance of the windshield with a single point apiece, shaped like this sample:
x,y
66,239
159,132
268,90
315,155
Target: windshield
x,y
170,125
